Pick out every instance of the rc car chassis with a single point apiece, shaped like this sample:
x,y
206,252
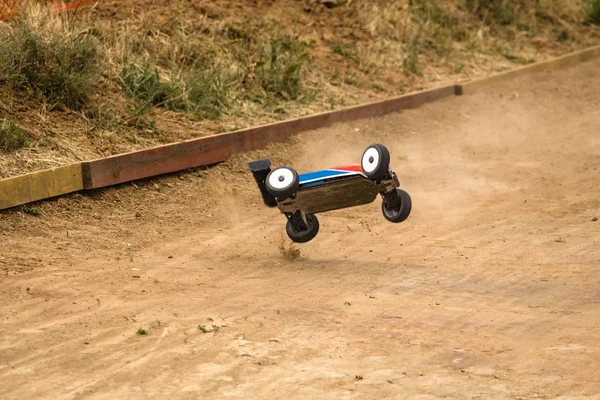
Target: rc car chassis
x,y
300,197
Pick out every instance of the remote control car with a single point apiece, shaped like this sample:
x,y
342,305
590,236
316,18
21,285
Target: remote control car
x,y
300,197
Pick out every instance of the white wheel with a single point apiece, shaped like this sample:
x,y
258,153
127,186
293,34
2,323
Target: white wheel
x,y
281,178
375,161
370,160
282,182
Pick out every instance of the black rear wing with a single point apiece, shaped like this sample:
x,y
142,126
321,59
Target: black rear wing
x,y
260,169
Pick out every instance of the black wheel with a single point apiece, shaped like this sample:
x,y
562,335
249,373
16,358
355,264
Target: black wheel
x,y
375,162
396,206
299,231
282,182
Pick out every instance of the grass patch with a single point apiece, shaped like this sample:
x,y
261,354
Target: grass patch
x,y
592,10
280,64
517,59
12,136
206,68
351,80
209,92
346,50
104,117
220,73
36,212
42,55
145,86
411,58
491,11
202,93
141,331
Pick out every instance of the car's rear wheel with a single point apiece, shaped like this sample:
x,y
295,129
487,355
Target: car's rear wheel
x,y
375,162
300,230
396,207
282,182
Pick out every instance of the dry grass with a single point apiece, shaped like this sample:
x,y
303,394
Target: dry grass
x,y
441,39
206,68
12,136
48,58
593,12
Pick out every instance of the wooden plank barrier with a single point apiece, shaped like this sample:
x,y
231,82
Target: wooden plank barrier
x,y
40,185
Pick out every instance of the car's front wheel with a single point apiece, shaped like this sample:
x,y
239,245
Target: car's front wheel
x,y
375,161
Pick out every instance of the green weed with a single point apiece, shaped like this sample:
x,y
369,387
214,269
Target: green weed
x,y
411,58
377,87
144,85
491,11
279,68
208,92
12,136
592,10
346,50
351,80
43,56
36,212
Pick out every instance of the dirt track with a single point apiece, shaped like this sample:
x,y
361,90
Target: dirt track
x,y
491,289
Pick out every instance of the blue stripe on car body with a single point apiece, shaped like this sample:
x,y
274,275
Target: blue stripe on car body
x,y
323,175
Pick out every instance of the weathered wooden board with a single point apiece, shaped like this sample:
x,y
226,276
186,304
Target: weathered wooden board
x,y
40,185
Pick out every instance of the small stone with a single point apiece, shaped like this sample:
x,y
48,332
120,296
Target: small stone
x,y
170,256
595,219
138,214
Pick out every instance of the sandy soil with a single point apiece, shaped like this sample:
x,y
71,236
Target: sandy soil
x,y
491,289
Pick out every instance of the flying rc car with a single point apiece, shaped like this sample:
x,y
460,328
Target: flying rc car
x,y
300,197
